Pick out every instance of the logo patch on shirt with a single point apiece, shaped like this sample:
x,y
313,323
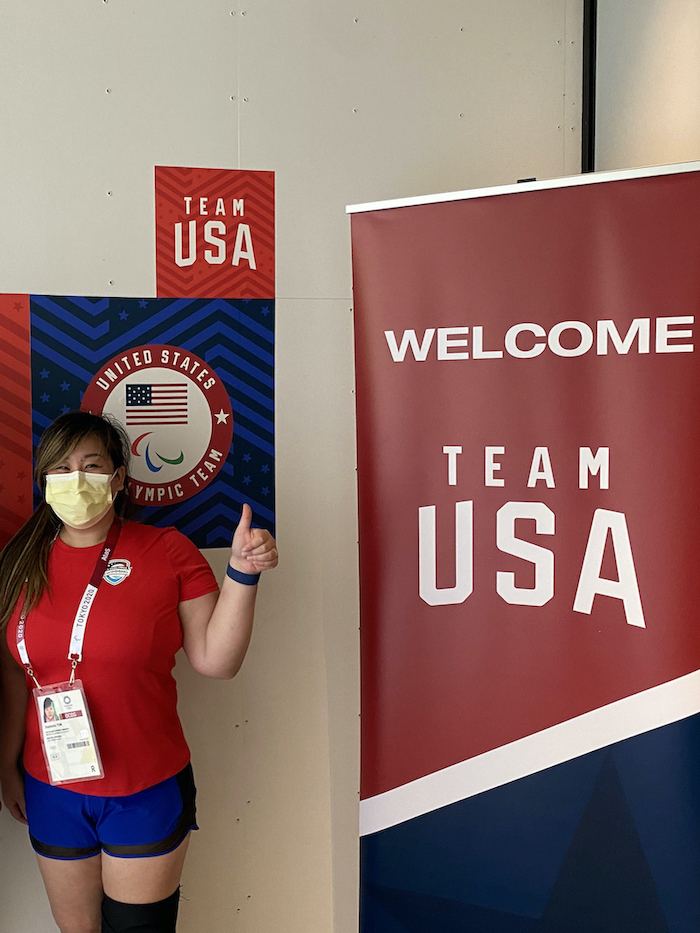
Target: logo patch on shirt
x,y
117,570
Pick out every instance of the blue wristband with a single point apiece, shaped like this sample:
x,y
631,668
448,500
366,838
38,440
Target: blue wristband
x,y
250,579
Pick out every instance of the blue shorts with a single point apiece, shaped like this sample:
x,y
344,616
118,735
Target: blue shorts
x,y
67,825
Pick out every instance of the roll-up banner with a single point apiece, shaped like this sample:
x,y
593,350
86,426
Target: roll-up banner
x,y
528,389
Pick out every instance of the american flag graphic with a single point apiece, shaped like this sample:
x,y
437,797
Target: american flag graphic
x,y
156,403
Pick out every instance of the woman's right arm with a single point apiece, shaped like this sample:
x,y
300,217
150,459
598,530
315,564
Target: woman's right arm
x,y
12,712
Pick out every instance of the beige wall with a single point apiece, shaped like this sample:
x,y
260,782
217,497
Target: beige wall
x,y
648,83
346,102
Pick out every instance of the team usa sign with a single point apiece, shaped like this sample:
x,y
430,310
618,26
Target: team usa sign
x,y
215,233
527,341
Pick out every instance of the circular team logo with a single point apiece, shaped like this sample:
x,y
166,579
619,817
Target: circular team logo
x,y
177,414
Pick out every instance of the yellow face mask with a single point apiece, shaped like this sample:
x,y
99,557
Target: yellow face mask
x,y
79,499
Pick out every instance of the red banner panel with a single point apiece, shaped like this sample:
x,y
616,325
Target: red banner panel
x,y
528,448
215,233
15,416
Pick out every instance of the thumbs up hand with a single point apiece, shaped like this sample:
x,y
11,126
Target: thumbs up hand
x,y
252,549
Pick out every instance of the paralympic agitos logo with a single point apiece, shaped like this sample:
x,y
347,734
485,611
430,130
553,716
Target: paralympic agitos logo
x,y
177,414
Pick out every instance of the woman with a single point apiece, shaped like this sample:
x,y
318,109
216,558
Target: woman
x,y
108,793
50,714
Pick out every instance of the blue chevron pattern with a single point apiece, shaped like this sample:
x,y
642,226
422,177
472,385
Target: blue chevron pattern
x,y
72,337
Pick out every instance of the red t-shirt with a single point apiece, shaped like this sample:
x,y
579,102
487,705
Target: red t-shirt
x,y
132,635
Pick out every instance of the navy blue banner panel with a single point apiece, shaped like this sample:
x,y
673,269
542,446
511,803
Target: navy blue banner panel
x,y
606,842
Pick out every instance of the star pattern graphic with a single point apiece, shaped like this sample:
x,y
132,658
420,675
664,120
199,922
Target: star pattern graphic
x,y
123,315
221,417
142,303
65,386
44,374
251,480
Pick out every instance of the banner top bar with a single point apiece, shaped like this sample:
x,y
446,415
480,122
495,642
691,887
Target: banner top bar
x,y
566,182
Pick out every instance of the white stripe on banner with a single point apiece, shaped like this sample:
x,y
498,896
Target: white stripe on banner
x,y
650,709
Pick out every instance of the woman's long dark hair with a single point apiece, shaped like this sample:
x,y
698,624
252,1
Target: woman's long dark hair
x,y
25,557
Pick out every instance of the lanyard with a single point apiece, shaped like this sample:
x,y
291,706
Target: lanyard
x,y
75,648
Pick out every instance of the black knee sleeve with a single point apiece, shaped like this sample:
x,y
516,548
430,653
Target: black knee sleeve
x,y
160,917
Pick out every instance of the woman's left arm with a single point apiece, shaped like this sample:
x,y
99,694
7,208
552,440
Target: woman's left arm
x,y
216,630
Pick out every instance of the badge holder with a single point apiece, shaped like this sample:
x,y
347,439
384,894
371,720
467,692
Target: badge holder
x,y
68,738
